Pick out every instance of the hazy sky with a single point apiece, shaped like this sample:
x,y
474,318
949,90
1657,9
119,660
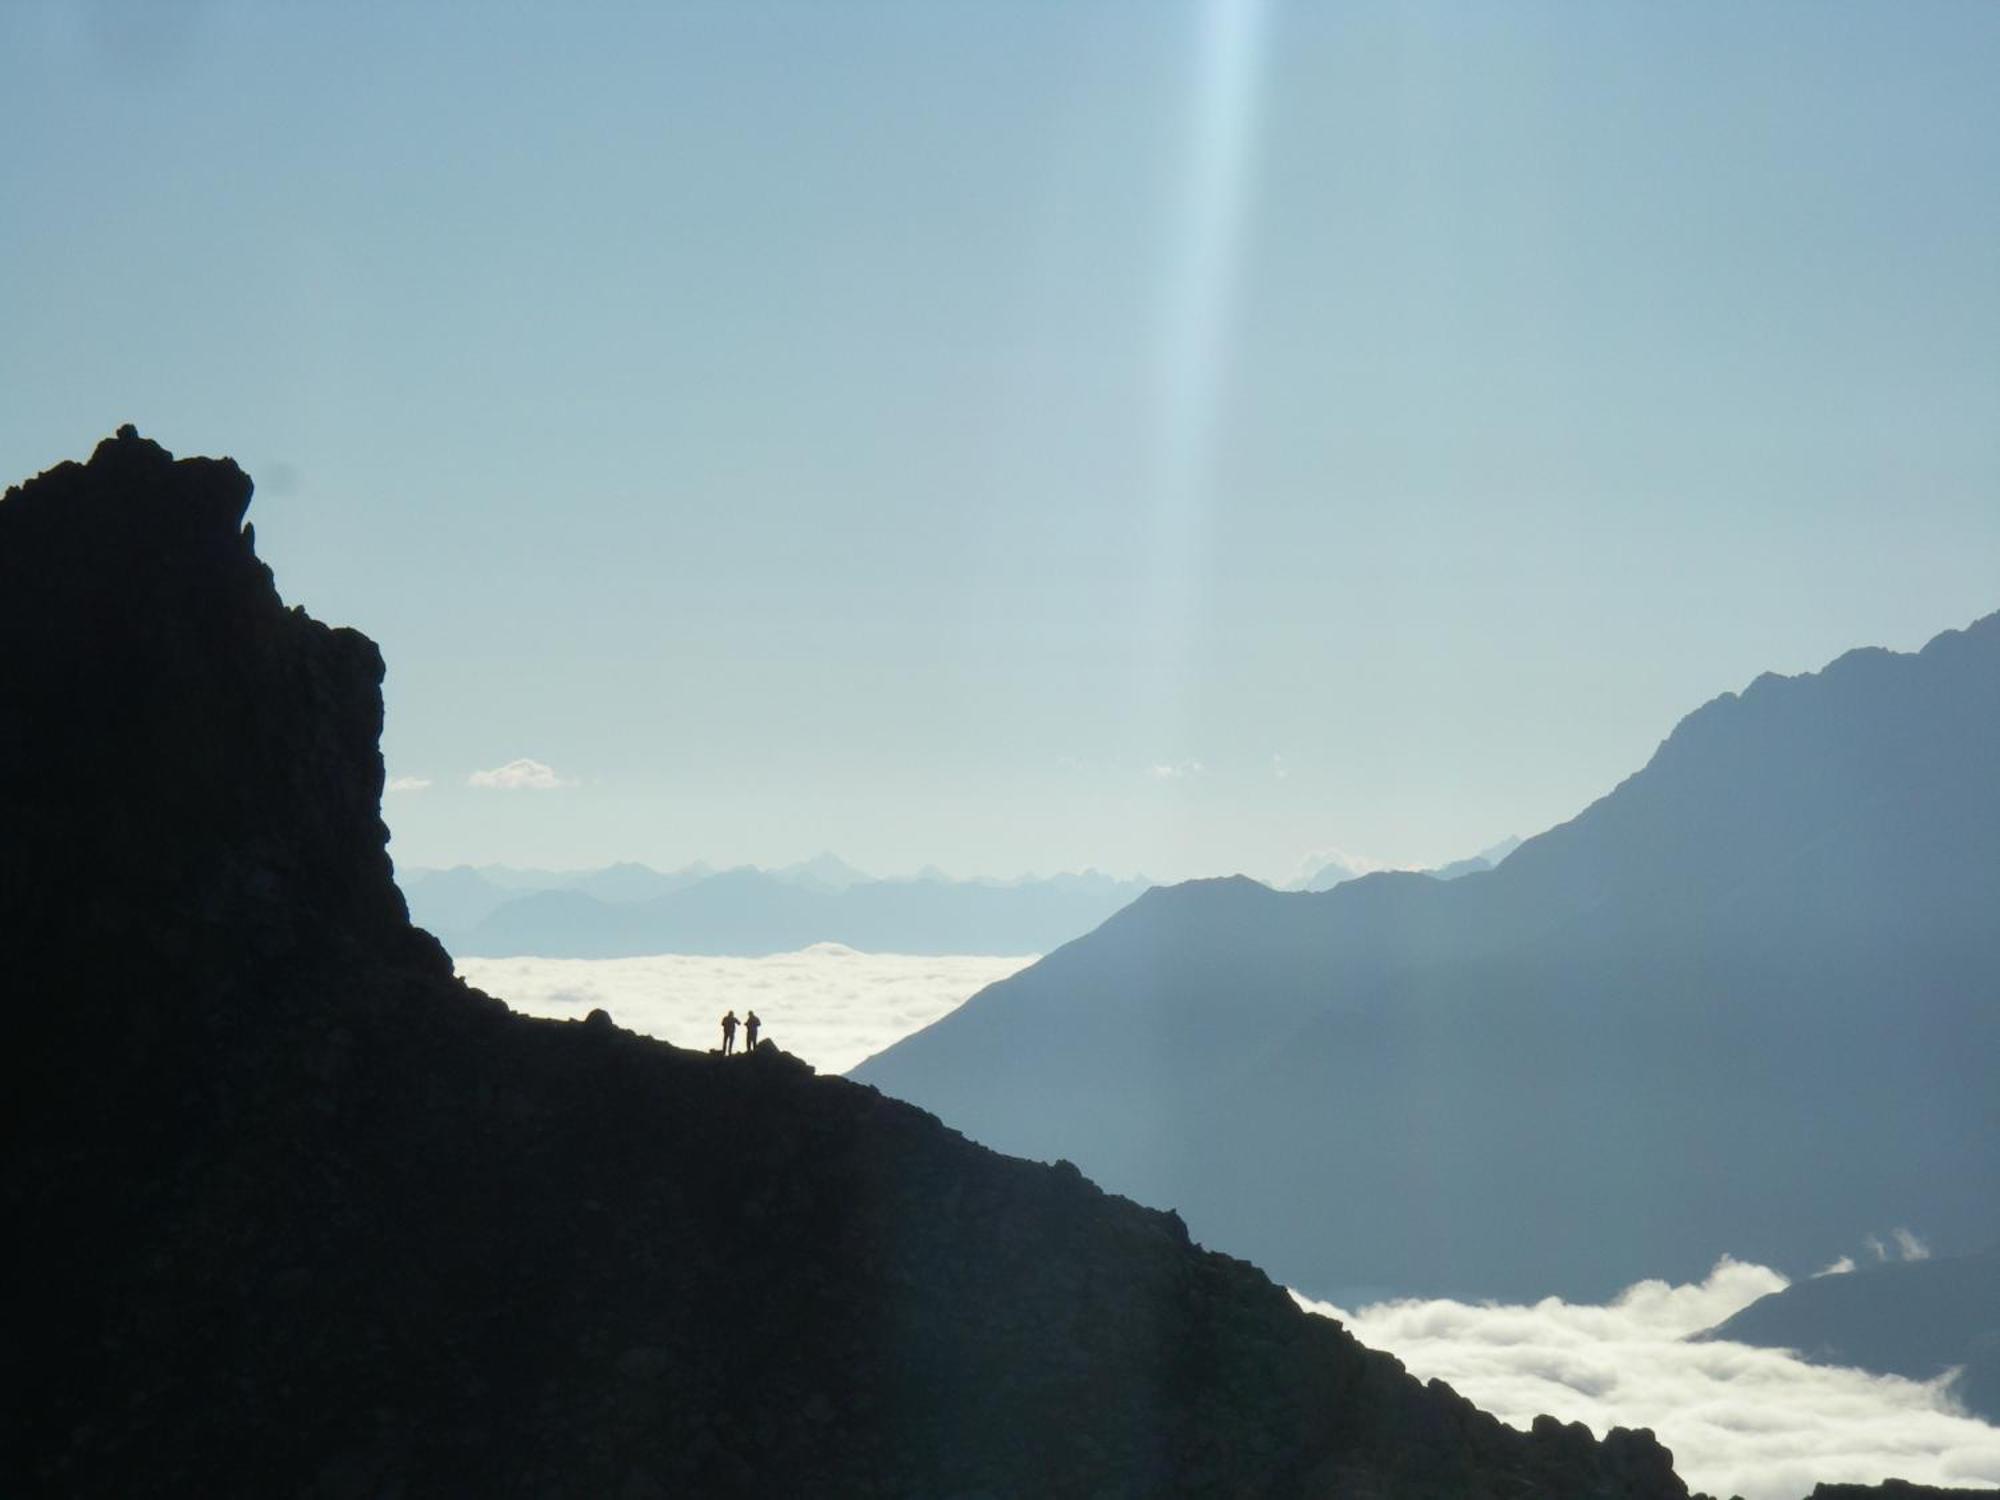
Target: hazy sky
x,y
1163,437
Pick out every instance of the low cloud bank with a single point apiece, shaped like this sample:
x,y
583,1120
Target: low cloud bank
x,y
1740,1421
827,1004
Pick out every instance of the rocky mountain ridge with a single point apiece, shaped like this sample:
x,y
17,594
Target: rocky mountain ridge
x,y
299,1214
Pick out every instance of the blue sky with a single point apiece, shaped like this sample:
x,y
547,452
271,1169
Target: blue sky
x,y
1164,437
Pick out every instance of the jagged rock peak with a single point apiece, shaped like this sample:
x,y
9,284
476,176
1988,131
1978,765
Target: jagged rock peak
x,y
309,1217
180,746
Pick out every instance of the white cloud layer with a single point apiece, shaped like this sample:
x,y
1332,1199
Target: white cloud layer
x,y
828,1004
407,784
1752,1422
518,775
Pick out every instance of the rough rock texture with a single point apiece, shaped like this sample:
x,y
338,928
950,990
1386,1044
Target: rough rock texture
x,y
297,1214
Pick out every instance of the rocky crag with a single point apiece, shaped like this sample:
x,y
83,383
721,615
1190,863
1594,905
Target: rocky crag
x,y
297,1214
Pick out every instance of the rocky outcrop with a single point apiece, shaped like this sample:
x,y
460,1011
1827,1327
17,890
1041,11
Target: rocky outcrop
x,y
298,1214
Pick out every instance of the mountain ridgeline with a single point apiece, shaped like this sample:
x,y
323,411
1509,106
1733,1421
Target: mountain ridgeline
x,y
1747,1002
627,910
297,1213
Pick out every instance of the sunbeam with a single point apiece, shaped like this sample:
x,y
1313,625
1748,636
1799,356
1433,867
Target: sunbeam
x,y
1200,290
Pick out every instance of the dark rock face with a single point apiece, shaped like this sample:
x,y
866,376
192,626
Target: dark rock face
x,y
295,1213
173,734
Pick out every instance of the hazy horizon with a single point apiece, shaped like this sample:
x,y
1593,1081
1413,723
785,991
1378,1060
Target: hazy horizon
x,y
1173,438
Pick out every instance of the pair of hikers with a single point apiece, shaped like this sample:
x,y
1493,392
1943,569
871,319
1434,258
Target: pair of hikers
x,y
750,1025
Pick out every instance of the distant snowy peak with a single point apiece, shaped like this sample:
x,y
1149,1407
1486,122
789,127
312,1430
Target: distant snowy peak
x,y
1328,870
825,871
1485,859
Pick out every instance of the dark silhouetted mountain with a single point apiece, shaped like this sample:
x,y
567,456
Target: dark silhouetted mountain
x,y
751,912
1748,1002
295,1213
1917,1318
1895,1489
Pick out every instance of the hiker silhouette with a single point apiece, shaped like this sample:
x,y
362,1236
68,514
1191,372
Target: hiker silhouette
x,y
750,1025
729,1033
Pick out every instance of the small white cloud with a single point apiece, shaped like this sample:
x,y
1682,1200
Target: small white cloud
x,y
1179,770
1876,1248
519,775
1839,1268
1278,767
407,783
1909,1246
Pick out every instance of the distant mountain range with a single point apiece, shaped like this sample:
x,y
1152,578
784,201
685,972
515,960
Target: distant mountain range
x,y
623,910
629,909
1749,1001
1916,1318
1339,870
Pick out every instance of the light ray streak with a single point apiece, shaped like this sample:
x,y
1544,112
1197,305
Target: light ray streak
x,y
1199,295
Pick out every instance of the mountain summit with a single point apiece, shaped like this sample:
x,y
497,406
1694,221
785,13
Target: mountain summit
x,y
296,1213
1748,1002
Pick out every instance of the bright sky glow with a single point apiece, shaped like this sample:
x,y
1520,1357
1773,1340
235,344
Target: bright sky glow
x,y
905,429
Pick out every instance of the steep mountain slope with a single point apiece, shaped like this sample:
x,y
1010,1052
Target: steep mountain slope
x,y
1917,1318
296,1213
1746,1002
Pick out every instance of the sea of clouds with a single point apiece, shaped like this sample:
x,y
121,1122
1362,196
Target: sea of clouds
x,y
1740,1420
828,1004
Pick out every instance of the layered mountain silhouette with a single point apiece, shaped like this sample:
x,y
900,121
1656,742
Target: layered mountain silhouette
x,y
1916,1318
627,910
1340,870
1747,1002
296,1213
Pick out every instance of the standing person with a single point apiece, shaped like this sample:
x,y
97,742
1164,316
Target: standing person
x,y
729,1033
750,1025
